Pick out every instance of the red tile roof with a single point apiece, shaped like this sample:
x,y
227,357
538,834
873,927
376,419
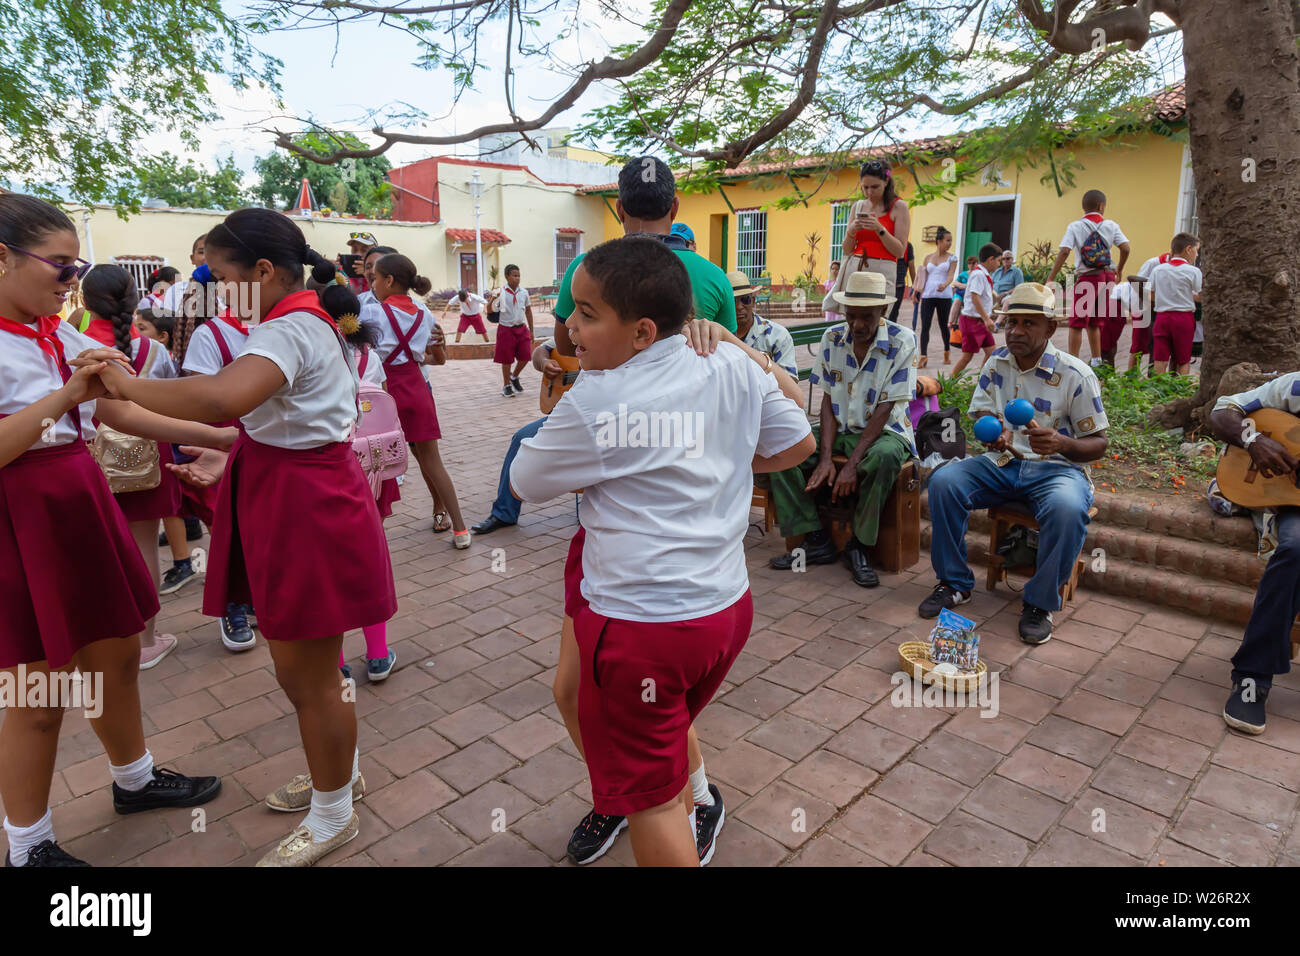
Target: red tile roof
x,y
569,230
1169,105
487,236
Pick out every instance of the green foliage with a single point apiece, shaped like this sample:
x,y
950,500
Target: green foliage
x,y
1128,399
1035,263
364,187
189,186
81,83
733,67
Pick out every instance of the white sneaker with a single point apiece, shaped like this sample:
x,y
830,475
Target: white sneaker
x,y
461,539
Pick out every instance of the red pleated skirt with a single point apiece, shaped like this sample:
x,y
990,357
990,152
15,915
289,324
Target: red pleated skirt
x,y
70,573
161,502
389,494
414,401
297,535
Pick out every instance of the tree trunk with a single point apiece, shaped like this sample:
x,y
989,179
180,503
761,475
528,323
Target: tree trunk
x,y
1243,113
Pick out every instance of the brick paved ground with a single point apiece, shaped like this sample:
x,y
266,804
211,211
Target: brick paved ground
x,y
1118,715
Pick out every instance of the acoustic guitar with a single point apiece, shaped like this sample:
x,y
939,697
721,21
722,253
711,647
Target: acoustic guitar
x,y
1241,482
553,389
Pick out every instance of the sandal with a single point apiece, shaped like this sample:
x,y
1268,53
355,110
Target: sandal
x,y
441,521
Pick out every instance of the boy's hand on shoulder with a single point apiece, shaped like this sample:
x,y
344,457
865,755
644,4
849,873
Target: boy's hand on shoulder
x,y
704,336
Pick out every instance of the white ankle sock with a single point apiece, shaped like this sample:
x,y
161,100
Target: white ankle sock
x,y
136,775
700,787
23,839
330,812
356,764
692,819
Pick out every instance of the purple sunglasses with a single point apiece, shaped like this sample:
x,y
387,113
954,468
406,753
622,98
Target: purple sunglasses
x,y
66,272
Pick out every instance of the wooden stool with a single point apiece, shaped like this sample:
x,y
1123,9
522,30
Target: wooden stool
x,y
762,500
898,544
1001,518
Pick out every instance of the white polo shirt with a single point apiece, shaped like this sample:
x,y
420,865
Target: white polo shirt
x,y
978,284
511,303
473,304
158,363
663,446
317,404
1173,285
201,353
1077,233
28,374
375,314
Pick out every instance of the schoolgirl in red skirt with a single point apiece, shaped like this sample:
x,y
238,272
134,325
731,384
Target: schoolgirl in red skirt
x,y
404,329
293,502
111,297
75,590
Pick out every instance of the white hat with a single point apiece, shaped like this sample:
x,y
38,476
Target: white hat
x,y
866,288
1030,298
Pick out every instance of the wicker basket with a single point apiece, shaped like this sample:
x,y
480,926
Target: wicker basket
x,y
914,658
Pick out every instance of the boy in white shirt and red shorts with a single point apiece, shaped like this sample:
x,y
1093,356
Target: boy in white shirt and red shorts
x,y
666,605
1175,289
1091,306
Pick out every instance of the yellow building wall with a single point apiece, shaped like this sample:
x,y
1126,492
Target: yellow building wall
x,y
1140,175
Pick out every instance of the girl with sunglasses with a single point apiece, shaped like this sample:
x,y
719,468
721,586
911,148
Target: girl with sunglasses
x,y
877,232
85,594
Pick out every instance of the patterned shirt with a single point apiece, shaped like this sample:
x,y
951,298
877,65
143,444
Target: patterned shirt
x,y
769,337
1282,393
1064,391
887,375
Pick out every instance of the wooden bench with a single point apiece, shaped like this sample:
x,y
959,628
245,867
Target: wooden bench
x,y
1001,518
898,544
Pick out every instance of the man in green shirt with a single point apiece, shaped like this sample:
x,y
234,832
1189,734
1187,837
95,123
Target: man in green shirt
x,y
647,205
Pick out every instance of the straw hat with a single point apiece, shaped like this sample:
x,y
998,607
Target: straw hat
x,y
866,288
740,284
1030,298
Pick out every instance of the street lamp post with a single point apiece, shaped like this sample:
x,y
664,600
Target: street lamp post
x,y
476,191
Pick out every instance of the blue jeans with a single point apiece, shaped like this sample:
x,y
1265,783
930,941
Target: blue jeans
x,y
1266,646
1058,494
506,507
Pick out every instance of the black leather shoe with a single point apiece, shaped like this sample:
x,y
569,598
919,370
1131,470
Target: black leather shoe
x,y
864,575
489,524
823,553
167,789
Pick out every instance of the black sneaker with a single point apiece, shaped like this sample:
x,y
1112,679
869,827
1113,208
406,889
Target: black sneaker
x,y
48,853
507,392
1242,714
943,596
593,837
177,577
236,633
708,824
1035,624
514,383
167,789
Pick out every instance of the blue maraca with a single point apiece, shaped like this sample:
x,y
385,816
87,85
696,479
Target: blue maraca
x,y
988,429
1019,412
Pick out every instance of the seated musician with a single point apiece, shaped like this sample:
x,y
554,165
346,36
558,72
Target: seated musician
x,y
1265,647
867,370
1043,465
758,332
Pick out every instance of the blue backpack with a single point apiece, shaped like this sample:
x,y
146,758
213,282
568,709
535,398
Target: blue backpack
x,y
1095,251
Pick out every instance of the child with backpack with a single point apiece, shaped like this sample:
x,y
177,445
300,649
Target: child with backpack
x,y
1175,291
1092,308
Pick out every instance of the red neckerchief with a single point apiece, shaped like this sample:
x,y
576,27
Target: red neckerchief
x,y
303,301
403,302
234,322
42,330
979,267
1164,257
101,330
1175,261
1094,217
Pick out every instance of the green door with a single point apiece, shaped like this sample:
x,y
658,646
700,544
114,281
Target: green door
x,y
973,242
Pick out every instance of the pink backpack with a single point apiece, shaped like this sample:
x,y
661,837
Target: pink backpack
x,y
378,441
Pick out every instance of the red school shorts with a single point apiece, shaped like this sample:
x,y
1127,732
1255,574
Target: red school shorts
x,y
514,344
1171,337
474,322
1090,302
975,335
642,686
